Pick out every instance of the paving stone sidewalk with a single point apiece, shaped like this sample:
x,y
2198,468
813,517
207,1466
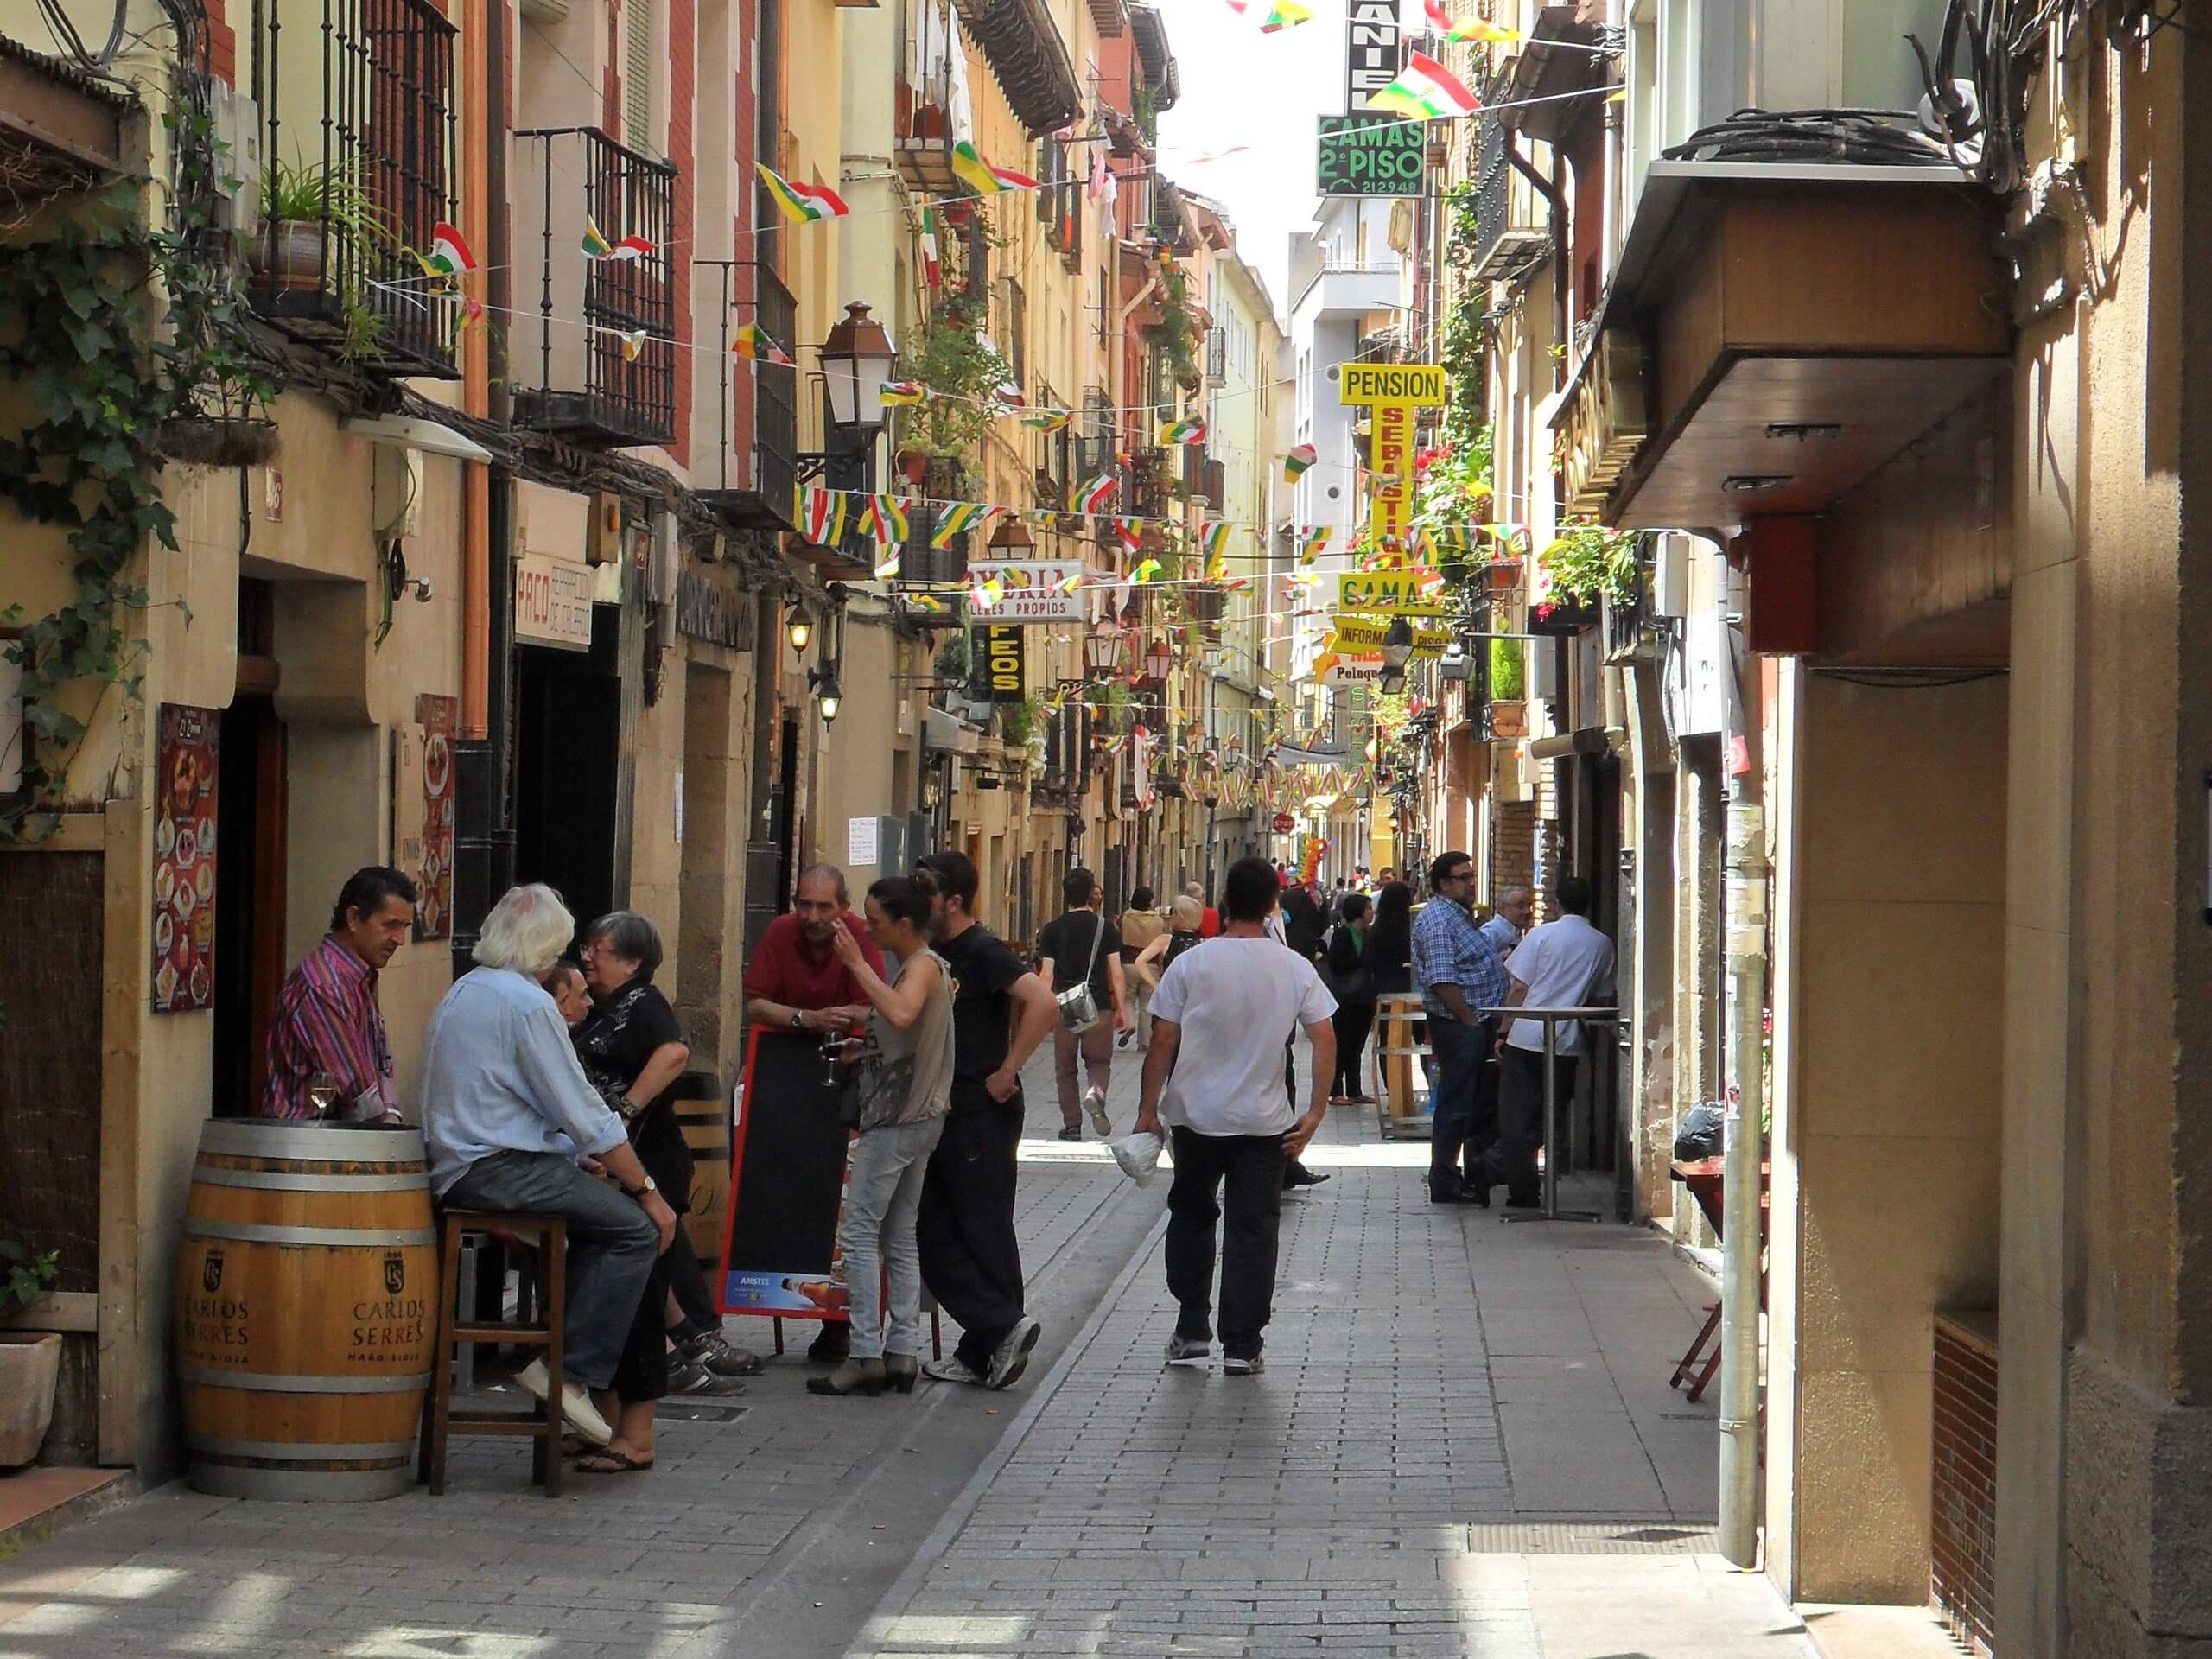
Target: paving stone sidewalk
x,y
1463,1445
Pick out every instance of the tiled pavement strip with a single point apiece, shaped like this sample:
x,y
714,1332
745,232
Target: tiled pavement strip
x,y
1463,1445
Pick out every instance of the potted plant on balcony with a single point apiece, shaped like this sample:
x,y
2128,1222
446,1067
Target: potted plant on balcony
x,y
948,354
1507,716
304,210
30,1361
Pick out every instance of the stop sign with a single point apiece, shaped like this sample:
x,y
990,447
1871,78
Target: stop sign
x,y
1285,823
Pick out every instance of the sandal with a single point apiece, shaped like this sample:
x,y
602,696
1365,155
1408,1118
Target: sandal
x,y
575,1445
605,1460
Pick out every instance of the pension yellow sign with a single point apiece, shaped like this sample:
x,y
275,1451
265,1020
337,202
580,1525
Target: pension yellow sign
x,y
1394,592
1390,383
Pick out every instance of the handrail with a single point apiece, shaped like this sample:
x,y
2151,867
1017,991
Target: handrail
x,y
1551,1018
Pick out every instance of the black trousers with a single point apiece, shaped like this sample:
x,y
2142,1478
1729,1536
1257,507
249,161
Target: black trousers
x,y
1353,1021
1520,1119
642,1372
1482,1123
1245,1171
1460,1050
971,1259
686,1280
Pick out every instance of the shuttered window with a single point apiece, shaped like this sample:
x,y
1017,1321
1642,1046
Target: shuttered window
x,y
638,77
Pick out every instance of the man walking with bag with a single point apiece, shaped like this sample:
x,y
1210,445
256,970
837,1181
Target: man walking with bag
x,y
1227,1011
1080,965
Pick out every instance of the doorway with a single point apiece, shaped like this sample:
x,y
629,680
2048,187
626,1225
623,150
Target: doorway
x,y
568,775
250,874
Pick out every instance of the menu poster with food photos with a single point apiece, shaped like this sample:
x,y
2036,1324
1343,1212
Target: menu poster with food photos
x,y
438,717
184,859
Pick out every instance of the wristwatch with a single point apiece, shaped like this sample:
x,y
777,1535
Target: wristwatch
x,y
639,1192
798,1020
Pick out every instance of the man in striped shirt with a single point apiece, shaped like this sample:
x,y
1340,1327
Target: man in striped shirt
x,y
327,1016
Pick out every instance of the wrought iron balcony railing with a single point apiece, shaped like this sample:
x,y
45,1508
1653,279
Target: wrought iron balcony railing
x,y
1503,250
361,171
775,395
930,108
612,380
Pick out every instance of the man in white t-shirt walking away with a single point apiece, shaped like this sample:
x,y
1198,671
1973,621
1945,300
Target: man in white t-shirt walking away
x,y
1563,964
1237,999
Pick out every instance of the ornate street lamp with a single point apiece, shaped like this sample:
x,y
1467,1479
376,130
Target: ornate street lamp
x,y
1397,651
856,360
1101,650
1158,660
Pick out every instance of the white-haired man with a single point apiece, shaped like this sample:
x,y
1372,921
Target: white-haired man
x,y
508,1112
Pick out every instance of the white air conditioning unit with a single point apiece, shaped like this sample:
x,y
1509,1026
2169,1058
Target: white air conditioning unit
x,y
236,120
1541,679
1670,573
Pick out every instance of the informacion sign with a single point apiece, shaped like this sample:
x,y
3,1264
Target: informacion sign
x,y
1370,49
1032,591
552,602
1393,593
1356,635
1369,153
1002,664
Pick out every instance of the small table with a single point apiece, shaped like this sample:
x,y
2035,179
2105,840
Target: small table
x,y
1551,1017
1706,1179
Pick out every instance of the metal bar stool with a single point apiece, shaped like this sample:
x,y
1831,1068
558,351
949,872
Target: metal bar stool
x,y
458,1330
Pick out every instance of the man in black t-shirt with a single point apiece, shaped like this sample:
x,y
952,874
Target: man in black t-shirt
x,y
972,1260
1080,946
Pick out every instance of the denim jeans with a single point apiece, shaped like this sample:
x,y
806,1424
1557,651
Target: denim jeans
x,y
612,1247
1460,1050
1246,1172
877,1235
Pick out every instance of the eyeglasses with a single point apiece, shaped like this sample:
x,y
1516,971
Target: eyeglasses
x,y
1467,875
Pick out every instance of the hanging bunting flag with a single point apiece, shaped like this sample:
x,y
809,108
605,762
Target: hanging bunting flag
x,y
985,595
1425,90
1008,396
982,177
596,246
825,517
1469,29
633,343
1145,571
1096,496
449,255
926,602
884,516
1313,542
465,318
751,342
956,517
901,393
932,273
1048,420
1285,14
888,569
1184,432
1215,542
1068,583
803,204
1298,460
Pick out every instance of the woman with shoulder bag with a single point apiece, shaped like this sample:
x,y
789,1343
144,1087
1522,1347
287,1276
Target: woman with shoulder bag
x,y
1080,963
903,1086
1348,976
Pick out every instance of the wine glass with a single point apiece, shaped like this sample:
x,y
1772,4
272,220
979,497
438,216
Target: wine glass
x,y
322,1094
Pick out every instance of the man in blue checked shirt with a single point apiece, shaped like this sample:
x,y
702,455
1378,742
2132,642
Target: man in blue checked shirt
x,y
1459,971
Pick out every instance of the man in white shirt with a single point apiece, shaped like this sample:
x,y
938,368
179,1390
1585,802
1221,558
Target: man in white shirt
x,y
1563,964
1238,998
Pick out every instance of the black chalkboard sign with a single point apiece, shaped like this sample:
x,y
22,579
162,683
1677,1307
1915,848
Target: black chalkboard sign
x,y
787,1185
1368,153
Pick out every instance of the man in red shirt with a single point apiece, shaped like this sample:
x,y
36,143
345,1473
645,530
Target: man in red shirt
x,y
795,982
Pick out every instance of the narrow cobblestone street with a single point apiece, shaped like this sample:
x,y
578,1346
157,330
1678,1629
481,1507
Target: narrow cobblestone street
x,y
1463,1444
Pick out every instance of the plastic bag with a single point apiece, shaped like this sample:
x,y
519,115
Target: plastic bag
x,y
1700,1135
1139,1155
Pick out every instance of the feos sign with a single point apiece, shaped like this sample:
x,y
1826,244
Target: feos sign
x,y
1005,664
1370,49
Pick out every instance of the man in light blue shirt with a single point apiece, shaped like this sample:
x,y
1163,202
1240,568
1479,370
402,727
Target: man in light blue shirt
x,y
506,1109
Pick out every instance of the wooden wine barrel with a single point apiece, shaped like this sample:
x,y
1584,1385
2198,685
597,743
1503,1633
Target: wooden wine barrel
x,y
306,1310
706,1131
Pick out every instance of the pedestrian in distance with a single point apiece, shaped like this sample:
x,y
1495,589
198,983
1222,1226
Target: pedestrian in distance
x,y
1185,917
1141,925
1208,917
905,1083
1459,973
1568,964
1354,988
1511,915
1077,949
971,1256
1220,1019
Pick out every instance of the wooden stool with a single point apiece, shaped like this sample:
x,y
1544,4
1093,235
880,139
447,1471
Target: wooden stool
x,y
543,1421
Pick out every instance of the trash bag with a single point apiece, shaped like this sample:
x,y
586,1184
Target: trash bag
x,y
1700,1134
1139,1155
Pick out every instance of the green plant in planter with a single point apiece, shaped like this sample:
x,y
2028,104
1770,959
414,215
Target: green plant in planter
x,y
1507,681
1020,722
1111,702
948,355
1588,561
953,662
29,1277
319,193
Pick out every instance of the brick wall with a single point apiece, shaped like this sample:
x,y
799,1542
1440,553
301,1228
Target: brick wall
x,y
1512,844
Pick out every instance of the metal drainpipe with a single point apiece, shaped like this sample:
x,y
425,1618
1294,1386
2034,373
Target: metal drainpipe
x,y
1562,277
1743,1151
